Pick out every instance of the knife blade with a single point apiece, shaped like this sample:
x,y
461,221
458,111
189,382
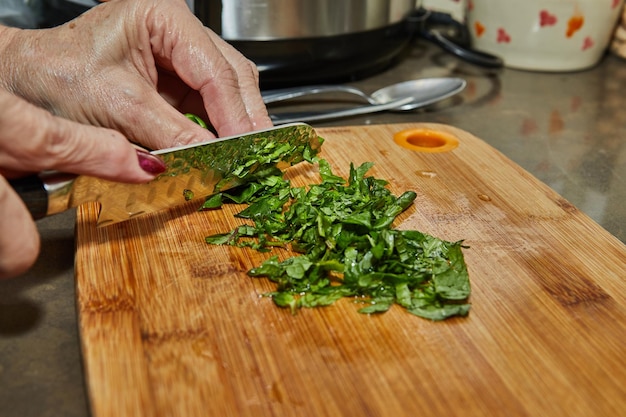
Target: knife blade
x,y
197,170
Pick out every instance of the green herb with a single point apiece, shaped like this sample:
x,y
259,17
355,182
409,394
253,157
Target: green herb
x,y
342,231
247,159
188,194
196,119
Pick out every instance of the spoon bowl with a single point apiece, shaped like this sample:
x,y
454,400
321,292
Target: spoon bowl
x,y
423,92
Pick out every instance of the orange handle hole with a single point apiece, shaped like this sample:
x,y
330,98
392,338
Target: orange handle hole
x,y
426,140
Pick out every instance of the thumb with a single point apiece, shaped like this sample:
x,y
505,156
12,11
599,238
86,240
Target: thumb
x,y
19,240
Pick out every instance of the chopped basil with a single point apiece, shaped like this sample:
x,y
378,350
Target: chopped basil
x,y
188,194
196,120
342,231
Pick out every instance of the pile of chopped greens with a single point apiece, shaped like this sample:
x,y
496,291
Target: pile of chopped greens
x,y
342,231
347,247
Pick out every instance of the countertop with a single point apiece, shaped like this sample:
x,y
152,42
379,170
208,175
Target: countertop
x,y
567,129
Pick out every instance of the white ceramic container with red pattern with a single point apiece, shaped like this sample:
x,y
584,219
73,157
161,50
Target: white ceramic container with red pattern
x,y
544,35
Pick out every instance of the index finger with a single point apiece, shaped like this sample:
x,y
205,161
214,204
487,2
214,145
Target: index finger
x,y
33,140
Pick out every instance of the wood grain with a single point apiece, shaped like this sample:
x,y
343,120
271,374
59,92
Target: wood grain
x,y
171,326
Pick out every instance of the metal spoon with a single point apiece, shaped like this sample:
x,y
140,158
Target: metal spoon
x,y
408,95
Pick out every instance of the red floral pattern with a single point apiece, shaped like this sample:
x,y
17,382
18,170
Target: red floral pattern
x,y
503,36
546,19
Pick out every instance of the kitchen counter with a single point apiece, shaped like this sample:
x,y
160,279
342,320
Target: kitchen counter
x,y
569,130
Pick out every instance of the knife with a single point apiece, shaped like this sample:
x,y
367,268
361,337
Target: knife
x,y
193,171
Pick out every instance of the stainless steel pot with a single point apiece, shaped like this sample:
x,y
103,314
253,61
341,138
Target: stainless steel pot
x,y
296,42
264,20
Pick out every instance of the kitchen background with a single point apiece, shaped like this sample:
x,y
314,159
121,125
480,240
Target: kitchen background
x,y
568,129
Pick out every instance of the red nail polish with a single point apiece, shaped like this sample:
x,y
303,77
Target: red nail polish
x,y
150,163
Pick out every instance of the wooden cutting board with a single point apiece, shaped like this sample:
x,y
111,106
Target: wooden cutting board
x,y
171,326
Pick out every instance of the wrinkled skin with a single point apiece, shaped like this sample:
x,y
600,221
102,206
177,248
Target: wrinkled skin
x,y
73,98
108,66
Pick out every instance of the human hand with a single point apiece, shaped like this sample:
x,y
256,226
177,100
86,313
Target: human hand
x,y
32,140
136,66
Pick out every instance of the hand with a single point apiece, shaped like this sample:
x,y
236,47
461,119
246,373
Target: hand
x,y
134,66
32,140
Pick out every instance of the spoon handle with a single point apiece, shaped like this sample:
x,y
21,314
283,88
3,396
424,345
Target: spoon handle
x,y
273,96
281,118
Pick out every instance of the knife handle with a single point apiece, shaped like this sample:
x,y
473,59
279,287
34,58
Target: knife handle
x,y
45,193
33,192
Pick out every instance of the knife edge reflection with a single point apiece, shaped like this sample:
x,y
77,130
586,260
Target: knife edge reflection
x,y
120,201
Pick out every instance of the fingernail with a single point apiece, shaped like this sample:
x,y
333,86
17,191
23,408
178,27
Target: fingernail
x,y
150,163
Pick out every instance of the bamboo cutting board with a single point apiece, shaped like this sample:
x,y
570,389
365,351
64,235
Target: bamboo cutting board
x,y
171,326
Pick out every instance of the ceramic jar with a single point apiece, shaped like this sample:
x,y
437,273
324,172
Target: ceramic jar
x,y
544,35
